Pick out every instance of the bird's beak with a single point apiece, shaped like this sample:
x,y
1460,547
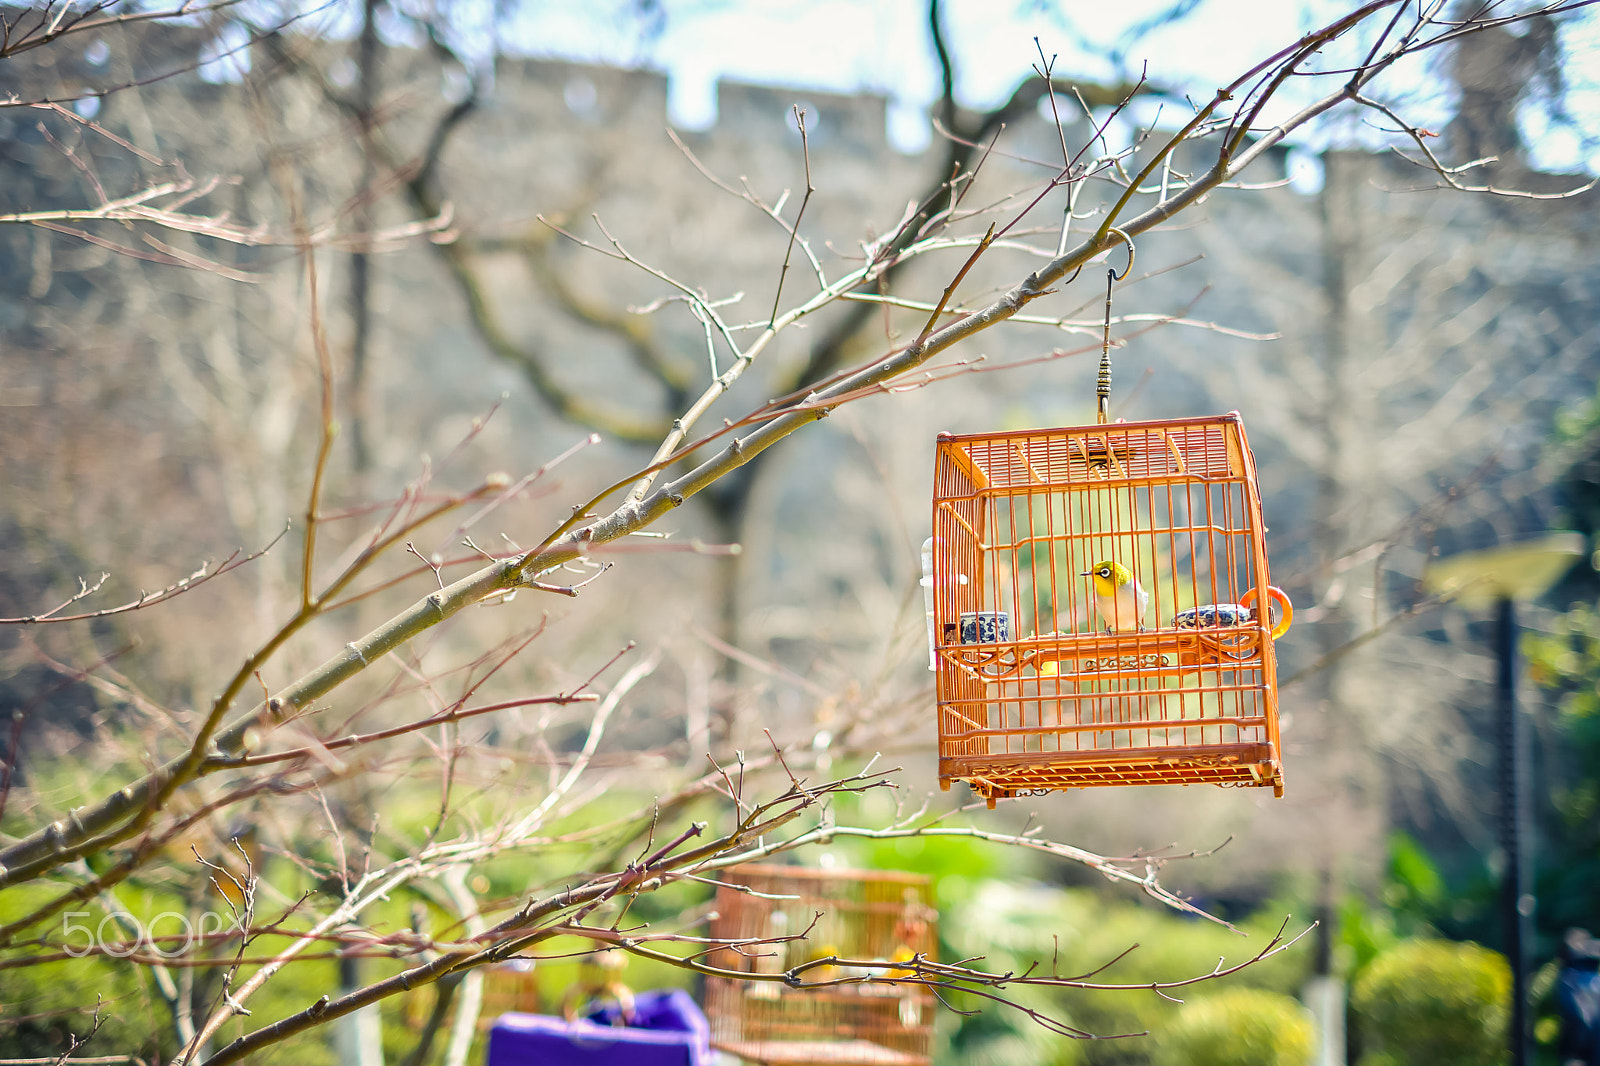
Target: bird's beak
x,y
1086,573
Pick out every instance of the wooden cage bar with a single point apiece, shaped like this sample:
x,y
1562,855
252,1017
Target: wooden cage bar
x,y
1035,691
858,915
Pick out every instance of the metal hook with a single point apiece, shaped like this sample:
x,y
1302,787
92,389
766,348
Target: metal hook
x,y
1114,275
1129,242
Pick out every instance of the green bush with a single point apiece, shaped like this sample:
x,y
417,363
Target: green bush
x,y
1238,1027
1015,924
1431,1001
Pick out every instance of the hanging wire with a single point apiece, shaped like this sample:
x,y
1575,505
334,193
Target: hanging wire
x,y
1103,383
1102,386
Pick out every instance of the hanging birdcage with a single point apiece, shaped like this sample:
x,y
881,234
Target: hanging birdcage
x,y
1101,612
839,1015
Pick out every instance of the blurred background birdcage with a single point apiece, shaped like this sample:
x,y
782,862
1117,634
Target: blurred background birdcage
x,y
510,986
1042,683
873,919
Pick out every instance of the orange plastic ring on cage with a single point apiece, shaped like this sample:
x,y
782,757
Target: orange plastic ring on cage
x,y
1274,592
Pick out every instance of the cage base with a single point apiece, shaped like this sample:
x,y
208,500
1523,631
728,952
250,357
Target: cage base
x,y
818,1053
996,777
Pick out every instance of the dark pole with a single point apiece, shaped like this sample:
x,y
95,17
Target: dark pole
x,y
1516,903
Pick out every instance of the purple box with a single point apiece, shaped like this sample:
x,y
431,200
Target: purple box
x,y
668,1030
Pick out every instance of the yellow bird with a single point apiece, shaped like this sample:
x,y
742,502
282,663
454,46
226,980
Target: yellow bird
x,y
904,953
1118,596
828,972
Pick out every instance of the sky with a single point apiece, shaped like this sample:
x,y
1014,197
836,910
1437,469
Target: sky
x,y
883,46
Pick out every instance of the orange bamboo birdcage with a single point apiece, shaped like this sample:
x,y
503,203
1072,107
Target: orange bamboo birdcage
x,y
1037,688
839,1015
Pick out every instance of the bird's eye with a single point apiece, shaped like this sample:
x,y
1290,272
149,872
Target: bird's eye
x,y
1105,571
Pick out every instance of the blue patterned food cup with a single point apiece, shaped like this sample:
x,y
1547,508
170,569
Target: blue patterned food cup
x,y
985,627
1213,615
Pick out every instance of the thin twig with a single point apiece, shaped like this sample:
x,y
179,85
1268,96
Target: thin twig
x,y
794,231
